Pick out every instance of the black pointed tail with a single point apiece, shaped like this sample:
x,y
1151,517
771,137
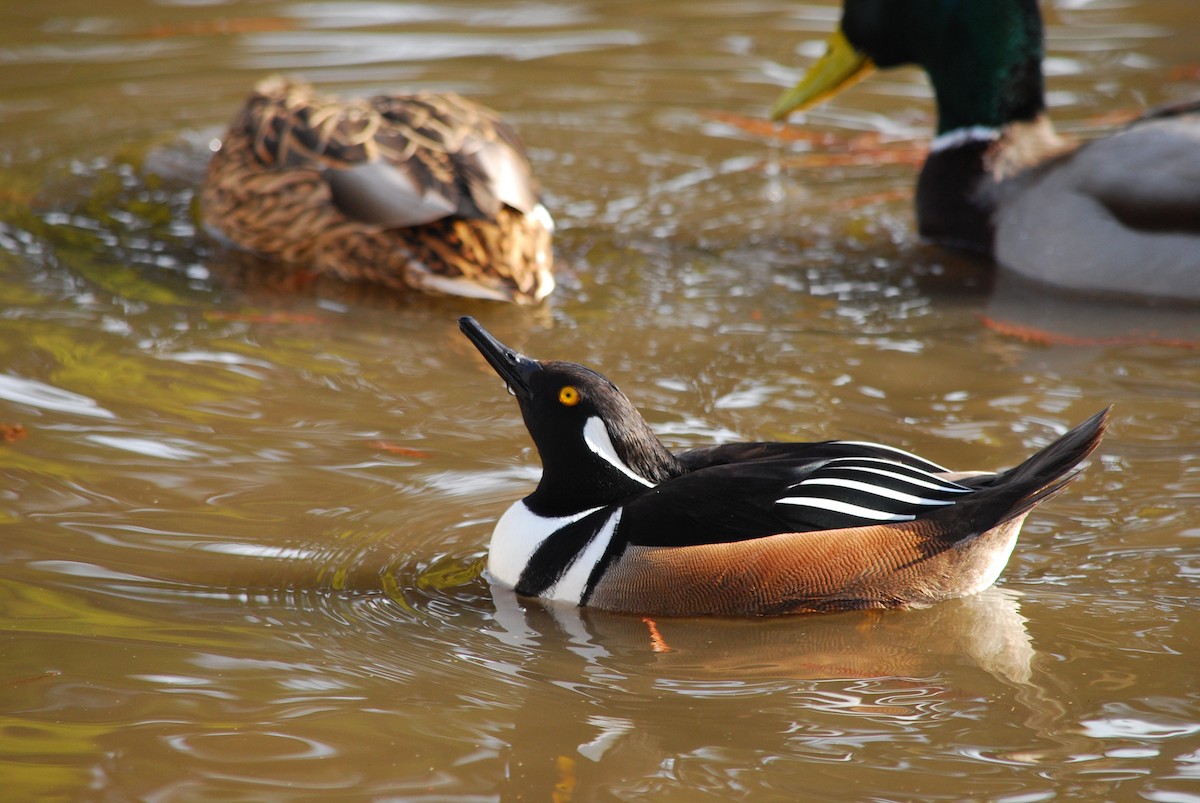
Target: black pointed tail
x,y
1044,474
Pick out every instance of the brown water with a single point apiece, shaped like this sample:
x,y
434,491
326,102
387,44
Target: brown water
x,y
240,540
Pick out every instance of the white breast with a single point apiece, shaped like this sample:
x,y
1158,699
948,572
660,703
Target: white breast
x,y
517,536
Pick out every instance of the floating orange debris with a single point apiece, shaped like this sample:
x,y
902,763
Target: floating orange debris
x,y
762,127
12,432
870,199
1185,72
393,448
907,155
263,317
53,673
1044,337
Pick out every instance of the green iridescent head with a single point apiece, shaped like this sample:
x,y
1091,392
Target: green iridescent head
x,y
984,57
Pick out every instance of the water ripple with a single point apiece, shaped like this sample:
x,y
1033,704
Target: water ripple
x,y
47,397
311,50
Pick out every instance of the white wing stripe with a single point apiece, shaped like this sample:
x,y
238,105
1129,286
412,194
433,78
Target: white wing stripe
x,y
877,490
894,450
935,483
834,506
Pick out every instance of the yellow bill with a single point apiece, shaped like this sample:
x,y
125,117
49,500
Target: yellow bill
x,y
841,67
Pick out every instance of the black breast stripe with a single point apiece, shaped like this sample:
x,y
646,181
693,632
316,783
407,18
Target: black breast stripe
x,y
616,547
558,552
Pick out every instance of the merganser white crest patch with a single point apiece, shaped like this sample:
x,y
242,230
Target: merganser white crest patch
x,y
595,435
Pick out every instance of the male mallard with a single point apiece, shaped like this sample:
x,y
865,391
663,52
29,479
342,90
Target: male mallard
x,y
620,523
1119,215
430,191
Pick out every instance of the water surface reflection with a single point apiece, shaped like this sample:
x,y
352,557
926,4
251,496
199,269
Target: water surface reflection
x,y
243,526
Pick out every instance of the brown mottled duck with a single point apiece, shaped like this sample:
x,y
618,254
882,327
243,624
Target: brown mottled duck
x,y
428,191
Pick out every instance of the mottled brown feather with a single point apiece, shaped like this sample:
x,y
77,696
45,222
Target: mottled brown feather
x,y
274,185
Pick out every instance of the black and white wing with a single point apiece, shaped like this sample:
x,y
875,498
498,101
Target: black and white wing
x,y
707,456
857,491
738,501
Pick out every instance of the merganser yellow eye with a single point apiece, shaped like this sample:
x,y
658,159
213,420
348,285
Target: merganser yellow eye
x,y
568,396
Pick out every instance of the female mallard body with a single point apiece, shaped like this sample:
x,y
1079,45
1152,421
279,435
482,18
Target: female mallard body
x,y
428,191
1114,216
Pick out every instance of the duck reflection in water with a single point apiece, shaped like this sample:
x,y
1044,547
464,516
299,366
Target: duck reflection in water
x,y
677,689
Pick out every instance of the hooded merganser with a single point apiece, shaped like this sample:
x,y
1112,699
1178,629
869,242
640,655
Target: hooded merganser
x,y
429,191
618,522
1119,215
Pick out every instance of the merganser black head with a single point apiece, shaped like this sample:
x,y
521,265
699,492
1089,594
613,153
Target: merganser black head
x,y
596,449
